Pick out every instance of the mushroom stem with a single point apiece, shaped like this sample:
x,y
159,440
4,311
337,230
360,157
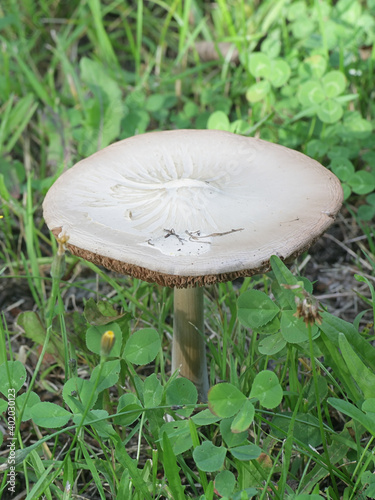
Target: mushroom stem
x,y
188,348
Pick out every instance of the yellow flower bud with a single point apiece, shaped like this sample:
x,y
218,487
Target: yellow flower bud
x,y
107,342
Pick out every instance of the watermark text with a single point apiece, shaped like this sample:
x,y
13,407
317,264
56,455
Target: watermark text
x,y
11,445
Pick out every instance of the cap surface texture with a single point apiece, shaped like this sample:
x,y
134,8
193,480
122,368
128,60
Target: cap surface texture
x,y
192,207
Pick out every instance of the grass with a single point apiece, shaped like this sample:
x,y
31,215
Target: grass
x,y
80,75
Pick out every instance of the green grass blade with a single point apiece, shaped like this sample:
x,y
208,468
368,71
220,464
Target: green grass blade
x,y
91,465
136,477
172,470
22,115
41,486
38,87
104,44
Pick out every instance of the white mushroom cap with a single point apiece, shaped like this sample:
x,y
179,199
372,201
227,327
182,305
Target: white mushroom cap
x,y
191,207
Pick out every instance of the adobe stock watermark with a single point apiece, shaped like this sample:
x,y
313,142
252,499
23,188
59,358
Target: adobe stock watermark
x,y
11,445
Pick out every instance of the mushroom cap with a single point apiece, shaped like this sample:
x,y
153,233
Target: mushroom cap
x,y
189,207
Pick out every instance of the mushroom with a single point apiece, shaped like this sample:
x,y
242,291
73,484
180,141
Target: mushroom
x,y
187,208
